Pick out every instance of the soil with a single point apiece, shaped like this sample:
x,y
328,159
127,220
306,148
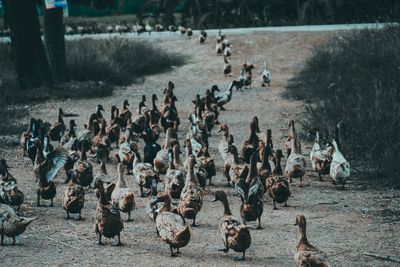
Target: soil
x,y
342,223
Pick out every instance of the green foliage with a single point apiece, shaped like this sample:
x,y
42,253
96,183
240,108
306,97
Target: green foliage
x,y
355,78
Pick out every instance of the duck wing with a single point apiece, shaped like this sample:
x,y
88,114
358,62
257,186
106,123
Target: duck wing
x,y
58,158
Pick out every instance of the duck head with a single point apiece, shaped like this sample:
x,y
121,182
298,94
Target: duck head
x,y
219,196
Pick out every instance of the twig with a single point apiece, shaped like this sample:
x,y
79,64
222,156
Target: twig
x,y
386,258
62,243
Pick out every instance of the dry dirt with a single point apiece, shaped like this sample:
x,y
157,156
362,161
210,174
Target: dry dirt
x,y
343,223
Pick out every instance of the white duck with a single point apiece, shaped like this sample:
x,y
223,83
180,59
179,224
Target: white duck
x,y
266,76
340,167
223,98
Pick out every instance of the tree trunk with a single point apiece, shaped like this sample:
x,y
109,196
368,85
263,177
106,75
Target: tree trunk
x,y
29,55
55,43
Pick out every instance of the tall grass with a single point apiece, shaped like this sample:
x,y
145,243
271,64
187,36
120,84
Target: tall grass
x,y
116,61
355,78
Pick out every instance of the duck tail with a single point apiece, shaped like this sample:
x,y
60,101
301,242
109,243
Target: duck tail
x,y
26,221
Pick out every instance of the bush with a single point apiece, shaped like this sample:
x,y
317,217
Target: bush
x,y
355,78
117,61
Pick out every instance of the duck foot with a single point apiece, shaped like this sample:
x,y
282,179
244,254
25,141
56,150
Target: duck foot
x,y
243,258
275,208
224,250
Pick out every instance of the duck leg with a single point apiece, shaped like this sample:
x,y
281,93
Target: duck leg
x,y
18,210
286,205
38,200
129,217
100,243
320,177
119,240
80,216
243,258
13,243
259,223
68,216
172,252
194,222
301,182
275,208
51,203
177,251
2,239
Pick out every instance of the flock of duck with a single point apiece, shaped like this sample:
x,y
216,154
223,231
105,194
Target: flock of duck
x,y
253,170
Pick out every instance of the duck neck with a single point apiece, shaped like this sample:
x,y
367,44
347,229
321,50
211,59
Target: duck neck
x,y
167,139
102,196
227,210
60,117
303,234
72,131
236,157
167,205
121,180
191,174
153,104
176,159
252,171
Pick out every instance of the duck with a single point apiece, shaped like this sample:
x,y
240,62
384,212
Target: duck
x,y
191,199
219,38
108,221
224,142
320,157
57,130
45,169
208,163
261,135
73,198
266,76
181,29
25,136
144,174
235,167
153,209
11,195
11,224
199,168
161,161
170,116
98,115
265,169
151,147
155,114
34,139
227,68
219,49
114,130
223,98
70,134
296,163
291,134
235,234
122,195
340,167
277,185
174,178
227,50
171,227
209,116
189,32
148,27
125,114
5,175
83,169
203,37
306,254
251,191
250,145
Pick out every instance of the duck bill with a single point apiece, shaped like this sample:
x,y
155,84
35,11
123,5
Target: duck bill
x,y
214,200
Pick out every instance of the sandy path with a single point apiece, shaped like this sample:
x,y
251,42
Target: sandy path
x,y
344,224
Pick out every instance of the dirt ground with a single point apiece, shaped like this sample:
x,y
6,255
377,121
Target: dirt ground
x,y
343,223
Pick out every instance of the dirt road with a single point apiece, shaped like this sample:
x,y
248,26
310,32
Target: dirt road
x,y
344,224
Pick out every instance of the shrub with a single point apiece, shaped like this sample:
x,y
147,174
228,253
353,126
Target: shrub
x,y
118,61
355,78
